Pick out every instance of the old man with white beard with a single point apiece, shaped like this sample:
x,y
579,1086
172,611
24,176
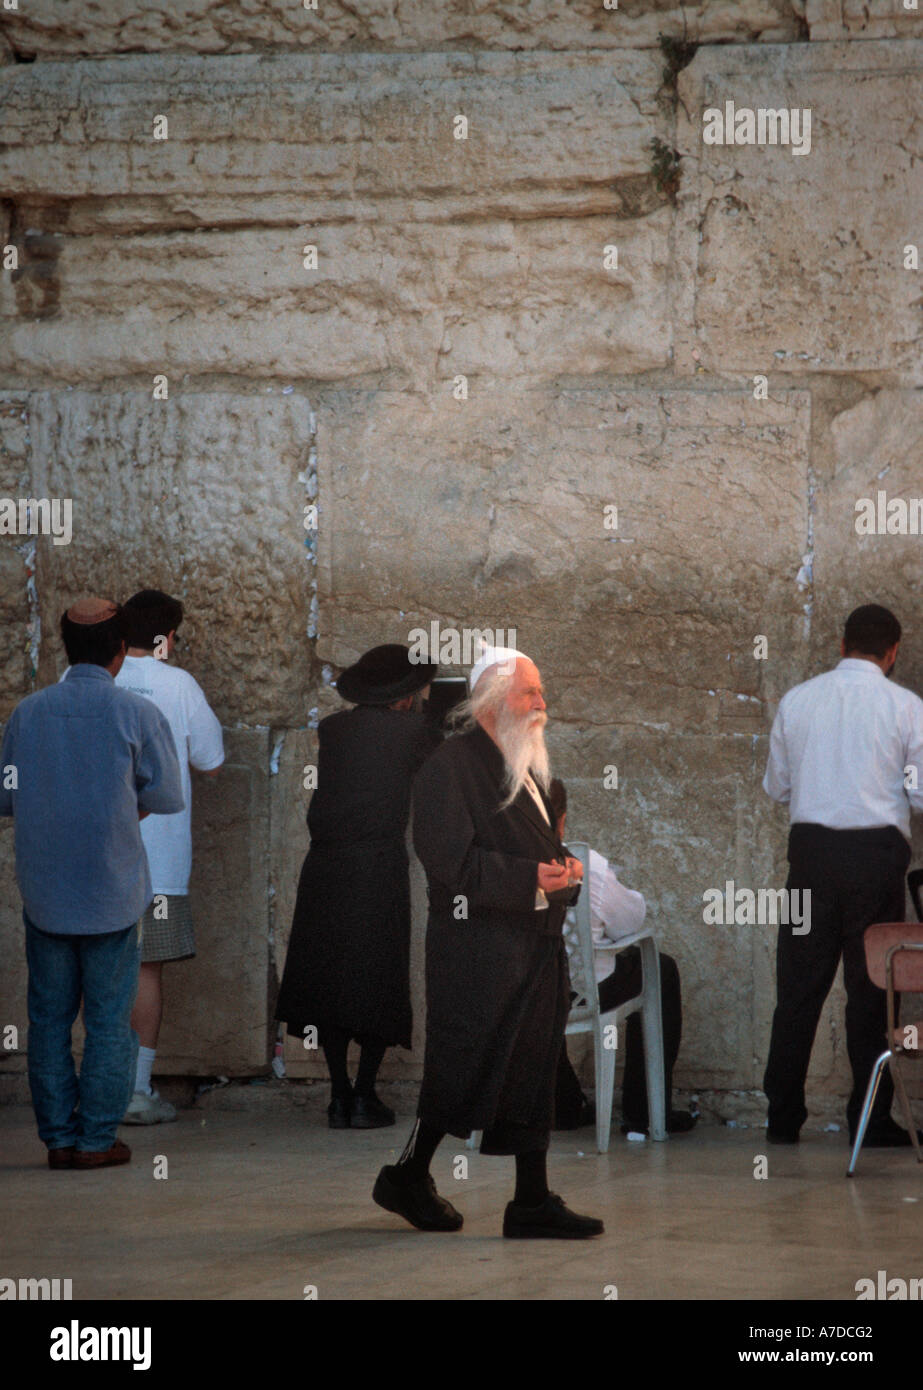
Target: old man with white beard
x,y
496,971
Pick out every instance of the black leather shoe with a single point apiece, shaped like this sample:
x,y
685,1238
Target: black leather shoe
x,y
416,1200
339,1111
886,1135
552,1219
782,1136
368,1112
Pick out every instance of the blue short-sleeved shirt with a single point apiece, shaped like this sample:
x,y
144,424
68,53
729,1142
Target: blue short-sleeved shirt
x,y
88,756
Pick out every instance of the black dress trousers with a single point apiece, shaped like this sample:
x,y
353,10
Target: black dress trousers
x,y
856,877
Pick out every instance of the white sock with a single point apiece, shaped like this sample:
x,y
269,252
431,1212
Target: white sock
x,y
146,1057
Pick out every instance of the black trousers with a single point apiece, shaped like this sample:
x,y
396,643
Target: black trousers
x,y
856,877
625,983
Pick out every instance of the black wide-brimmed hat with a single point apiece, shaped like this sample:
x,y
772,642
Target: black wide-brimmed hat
x,y
383,675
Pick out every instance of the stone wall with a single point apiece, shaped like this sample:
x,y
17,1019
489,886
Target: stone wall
x,y
464,383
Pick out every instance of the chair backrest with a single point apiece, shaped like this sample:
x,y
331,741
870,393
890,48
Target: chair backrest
x,y
915,884
906,966
578,938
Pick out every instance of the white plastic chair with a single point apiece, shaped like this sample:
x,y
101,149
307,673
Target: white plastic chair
x,y
585,1016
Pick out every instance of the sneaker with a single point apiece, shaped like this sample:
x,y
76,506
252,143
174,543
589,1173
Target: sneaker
x,y
416,1200
368,1112
552,1219
144,1109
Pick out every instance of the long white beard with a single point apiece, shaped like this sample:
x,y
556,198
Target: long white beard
x,y
521,740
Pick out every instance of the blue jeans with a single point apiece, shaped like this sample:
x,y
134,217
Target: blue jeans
x,y
101,970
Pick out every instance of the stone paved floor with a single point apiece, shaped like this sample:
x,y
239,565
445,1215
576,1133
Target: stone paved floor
x,y
259,1205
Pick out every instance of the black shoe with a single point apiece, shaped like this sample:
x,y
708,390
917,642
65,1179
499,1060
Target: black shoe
x,y
782,1136
678,1122
887,1134
338,1112
552,1219
368,1112
416,1200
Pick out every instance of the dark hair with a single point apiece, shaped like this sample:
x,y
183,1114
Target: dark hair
x,y
871,630
557,795
96,644
151,614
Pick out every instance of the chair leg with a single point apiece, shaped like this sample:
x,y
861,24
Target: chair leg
x,y
905,1108
871,1092
652,1024
604,1061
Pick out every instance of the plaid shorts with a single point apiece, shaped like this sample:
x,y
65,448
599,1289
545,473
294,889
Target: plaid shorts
x,y
167,937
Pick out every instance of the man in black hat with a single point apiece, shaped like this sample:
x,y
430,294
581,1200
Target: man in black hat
x,y
347,972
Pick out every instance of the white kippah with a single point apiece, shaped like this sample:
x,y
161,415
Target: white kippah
x,y
493,656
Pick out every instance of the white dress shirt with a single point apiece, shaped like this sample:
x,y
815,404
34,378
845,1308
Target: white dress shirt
x,y
615,911
839,748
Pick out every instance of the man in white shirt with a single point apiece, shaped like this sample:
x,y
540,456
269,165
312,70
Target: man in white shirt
x,y
167,932
617,912
845,754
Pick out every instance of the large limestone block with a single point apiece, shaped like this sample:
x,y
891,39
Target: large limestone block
x,y
216,1012
14,448
315,136
873,447
792,262
862,19
491,513
36,29
198,495
17,633
688,814
530,299
19,630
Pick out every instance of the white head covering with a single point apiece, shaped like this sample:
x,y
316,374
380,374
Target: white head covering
x,y
493,656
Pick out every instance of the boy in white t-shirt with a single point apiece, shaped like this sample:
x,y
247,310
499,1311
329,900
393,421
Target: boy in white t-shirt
x,y
167,933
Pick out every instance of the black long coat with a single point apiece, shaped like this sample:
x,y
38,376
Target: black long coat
x,y
496,982
348,962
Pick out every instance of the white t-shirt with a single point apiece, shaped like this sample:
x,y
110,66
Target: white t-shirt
x,y
197,735
615,911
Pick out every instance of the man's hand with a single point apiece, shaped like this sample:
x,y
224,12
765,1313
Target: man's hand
x,y
552,877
